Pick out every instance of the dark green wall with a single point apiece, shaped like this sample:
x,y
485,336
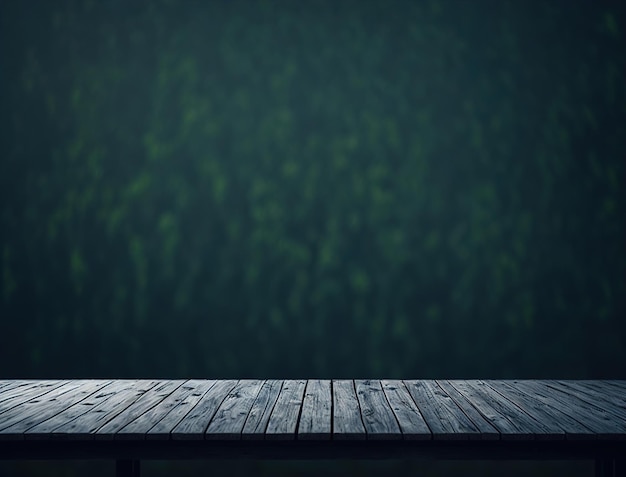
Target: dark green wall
x,y
278,189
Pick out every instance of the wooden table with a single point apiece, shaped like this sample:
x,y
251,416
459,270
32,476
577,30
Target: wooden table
x,y
130,420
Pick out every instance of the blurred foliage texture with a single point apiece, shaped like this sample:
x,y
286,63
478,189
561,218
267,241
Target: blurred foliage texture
x,y
313,188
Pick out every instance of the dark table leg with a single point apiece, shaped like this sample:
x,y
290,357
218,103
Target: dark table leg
x,y
127,468
607,467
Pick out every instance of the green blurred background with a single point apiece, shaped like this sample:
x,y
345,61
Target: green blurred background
x,y
335,189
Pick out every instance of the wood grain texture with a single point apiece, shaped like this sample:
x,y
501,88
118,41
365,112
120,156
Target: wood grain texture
x,y
16,412
444,418
139,427
120,395
616,384
602,424
312,410
316,416
14,423
512,422
544,428
195,423
261,410
378,418
486,431
95,394
21,387
554,417
144,403
605,387
284,418
347,420
162,430
230,417
410,419
591,394
16,396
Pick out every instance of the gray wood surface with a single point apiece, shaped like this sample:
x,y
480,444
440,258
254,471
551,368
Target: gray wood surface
x,y
95,394
22,384
619,385
379,419
486,431
543,427
542,412
145,402
347,420
321,410
193,425
15,422
261,410
410,419
510,420
606,387
16,396
230,417
284,418
139,427
162,429
121,395
45,392
602,424
444,418
491,415
316,417
613,404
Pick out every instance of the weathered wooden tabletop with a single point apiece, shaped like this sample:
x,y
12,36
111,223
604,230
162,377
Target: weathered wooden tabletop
x,y
354,410
131,420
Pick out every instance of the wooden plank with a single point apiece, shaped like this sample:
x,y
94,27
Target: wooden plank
x,y
162,429
33,407
16,422
444,418
45,429
347,420
121,394
193,425
18,394
619,384
145,402
598,394
542,429
614,394
261,410
606,387
410,419
378,418
595,402
604,426
486,430
284,418
139,427
29,394
316,417
230,417
553,418
511,421
8,385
